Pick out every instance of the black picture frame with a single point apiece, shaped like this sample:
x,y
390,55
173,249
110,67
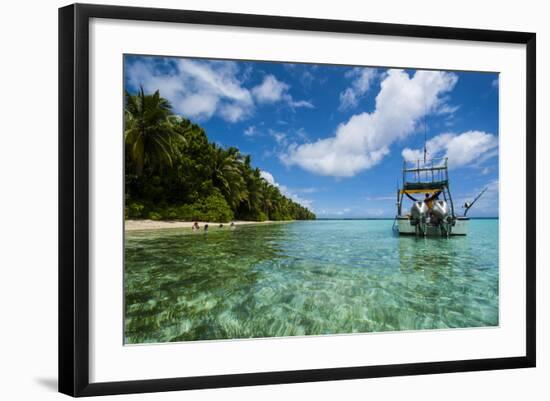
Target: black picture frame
x,y
74,198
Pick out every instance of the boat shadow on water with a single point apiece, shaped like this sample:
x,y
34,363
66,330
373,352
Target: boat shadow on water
x,y
434,255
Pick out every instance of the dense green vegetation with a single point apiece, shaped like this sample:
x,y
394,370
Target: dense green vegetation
x,y
173,172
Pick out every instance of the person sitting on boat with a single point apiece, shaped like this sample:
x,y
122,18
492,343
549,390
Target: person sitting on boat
x,y
429,201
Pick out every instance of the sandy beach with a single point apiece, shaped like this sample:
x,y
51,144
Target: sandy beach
x,y
140,225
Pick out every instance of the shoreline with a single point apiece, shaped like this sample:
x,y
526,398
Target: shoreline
x,y
146,224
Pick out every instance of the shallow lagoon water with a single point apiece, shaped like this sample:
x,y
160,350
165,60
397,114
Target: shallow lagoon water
x,y
306,278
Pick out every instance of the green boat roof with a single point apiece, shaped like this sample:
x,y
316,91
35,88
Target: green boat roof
x,y
425,185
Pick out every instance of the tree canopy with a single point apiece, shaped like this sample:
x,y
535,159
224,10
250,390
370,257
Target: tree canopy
x,y
172,171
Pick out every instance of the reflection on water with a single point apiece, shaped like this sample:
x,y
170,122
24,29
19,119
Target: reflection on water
x,y
305,278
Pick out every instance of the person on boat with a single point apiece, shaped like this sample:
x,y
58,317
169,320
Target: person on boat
x,y
428,201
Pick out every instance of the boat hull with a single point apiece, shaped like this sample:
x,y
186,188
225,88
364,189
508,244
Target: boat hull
x,y
404,227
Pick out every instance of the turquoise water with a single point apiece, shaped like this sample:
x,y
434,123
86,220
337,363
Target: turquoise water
x,y
306,278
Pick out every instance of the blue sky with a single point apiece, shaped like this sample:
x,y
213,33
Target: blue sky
x,y
334,137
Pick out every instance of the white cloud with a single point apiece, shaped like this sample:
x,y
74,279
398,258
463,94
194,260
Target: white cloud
x,y
268,177
492,186
271,90
202,89
142,74
251,131
468,148
198,105
302,134
280,137
447,109
196,89
308,203
298,103
285,190
233,112
412,154
307,78
216,77
364,140
283,138
362,79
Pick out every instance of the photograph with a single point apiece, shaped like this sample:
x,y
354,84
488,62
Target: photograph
x,y
267,199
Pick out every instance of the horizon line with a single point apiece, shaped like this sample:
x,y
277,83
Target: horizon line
x,y
391,218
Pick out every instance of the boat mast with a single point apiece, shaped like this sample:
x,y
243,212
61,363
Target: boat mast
x,y
425,129
425,134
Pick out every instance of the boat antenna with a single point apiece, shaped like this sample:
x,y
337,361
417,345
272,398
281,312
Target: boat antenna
x,y
425,129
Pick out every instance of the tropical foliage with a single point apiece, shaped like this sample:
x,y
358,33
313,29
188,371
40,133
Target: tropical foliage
x,y
172,171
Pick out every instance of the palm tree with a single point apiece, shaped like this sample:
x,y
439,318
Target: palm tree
x,y
148,131
252,177
270,195
156,138
226,175
255,194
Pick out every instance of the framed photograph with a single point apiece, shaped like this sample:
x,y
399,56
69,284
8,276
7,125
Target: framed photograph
x,y
251,199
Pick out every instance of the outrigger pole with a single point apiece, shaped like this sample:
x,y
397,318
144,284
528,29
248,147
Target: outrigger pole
x,y
468,206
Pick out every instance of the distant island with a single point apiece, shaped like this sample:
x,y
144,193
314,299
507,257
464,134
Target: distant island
x,y
172,172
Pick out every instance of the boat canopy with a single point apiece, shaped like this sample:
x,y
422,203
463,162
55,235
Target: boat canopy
x,y
425,175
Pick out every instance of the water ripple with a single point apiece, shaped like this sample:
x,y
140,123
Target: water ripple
x,y
305,278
